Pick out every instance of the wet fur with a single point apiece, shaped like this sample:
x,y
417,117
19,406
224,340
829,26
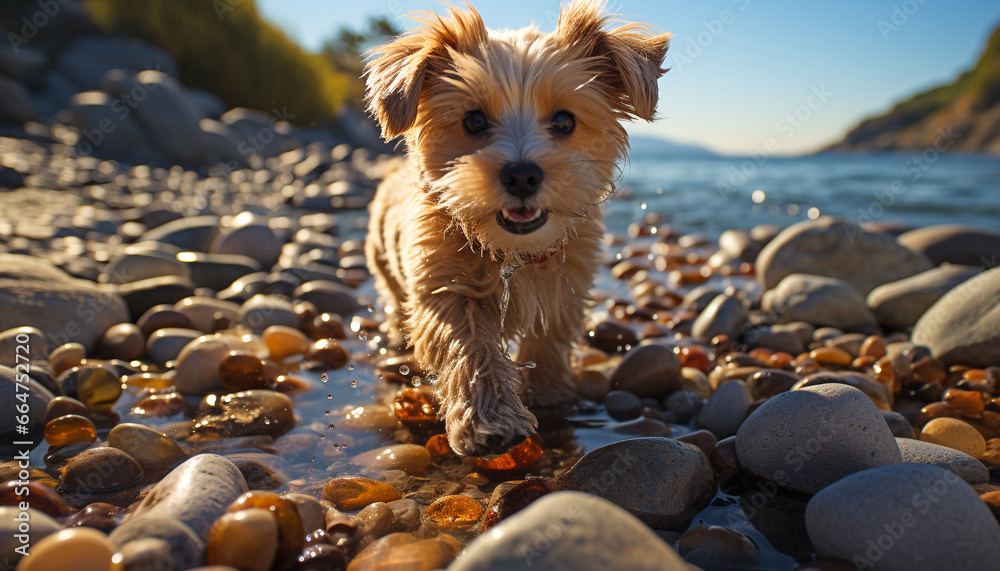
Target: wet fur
x,y
434,245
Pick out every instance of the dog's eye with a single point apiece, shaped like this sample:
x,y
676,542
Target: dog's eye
x,y
563,123
475,122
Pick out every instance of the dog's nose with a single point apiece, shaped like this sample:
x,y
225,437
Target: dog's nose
x,y
521,179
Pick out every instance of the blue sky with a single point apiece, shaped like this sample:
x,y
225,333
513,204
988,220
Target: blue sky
x,y
745,71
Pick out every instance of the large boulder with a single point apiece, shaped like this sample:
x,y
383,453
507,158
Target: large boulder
x,y
963,327
88,59
36,293
954,244
898,305
107,129
837,249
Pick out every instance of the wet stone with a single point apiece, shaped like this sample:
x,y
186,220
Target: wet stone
x,y
521,456
150,554
69,429
66,356
263,311
247,539
160,404
261,471
284,342
411,458
122,341
516,498
101,474
406,514
242,372
416,407
648,370
726,409
719,548
612,337
36,494
186,548
154,451
454,514
77,548
354,493
684,404
166,344
97,515
373,417
326,326
162,317
767,383
622,405
327,354
98,387
405,551
245,413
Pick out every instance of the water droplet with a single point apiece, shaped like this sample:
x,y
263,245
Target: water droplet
x,y
331,427
329,396
371,308
529,364
432,378
350,366
416,381
322,436
404,370
354,383
324,377
326,412
362,336
642,205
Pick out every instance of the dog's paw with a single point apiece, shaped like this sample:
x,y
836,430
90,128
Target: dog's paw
x,y
488,432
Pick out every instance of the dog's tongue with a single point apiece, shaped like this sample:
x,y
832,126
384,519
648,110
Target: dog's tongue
x,y
522,214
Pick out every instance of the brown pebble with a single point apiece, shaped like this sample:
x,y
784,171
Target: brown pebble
x,y
827,355
416,407
247,540
353,493
61,406
291,536
65,357
76,548
507,500
123,341
242,371
69,429
455,513
284,342
35,494
954,433
874,347
162,317
328,353
521,456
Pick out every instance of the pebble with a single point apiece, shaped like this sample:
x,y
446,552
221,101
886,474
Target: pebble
x,y
684,404
69,429
217,271
328,297
206,312
961,327
406,551
622,405
162,317
454,514
153,450
263,311
186,548
353,493
966,467
725,315
661,481
291,535
648,370
411,458
195,493
612,337
406,514
898,305
327,354
251,239
725,410
578,531
717,548
124,341
897,423
837,249
956,434
77,548
165,345
245,413
98,387
199,363
902,517
767,383
372,417
64,308
40,526
804,440
148,554
953,243
284,341
143,295
377,519
36,493
66,357
819,300
136,264
511,497
101,474
782,341
246,539
702,439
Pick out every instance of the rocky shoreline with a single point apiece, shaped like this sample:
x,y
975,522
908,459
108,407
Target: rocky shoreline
x,y
207,386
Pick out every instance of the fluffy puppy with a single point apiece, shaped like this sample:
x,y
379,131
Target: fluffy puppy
x,y
491,232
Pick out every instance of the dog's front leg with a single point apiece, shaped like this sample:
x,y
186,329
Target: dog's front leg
x,y
459,339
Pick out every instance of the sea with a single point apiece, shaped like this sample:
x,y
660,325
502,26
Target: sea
x,y
891,190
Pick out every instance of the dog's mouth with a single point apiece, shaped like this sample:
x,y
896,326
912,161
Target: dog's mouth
x,y
522,220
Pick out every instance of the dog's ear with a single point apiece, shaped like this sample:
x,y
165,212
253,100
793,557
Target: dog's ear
x,y
398,71
629,56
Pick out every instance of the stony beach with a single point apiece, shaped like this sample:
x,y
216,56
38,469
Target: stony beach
x,y
193,375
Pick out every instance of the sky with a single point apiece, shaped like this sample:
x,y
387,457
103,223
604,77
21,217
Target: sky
x,y
802,73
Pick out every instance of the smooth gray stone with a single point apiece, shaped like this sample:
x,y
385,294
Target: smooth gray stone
x,y
819,300
966,467
963,327
898,305
726,409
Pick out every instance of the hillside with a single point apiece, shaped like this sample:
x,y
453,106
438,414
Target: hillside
x,y
961,116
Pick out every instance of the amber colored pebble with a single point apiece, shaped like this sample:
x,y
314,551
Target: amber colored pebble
x,y
160,405
724,461
38,496
98,387
327,326
518,498
974,375
694,356
863,362
438,446
284,342
69,429
242,372
291,536
61,406
761,353
97,515
415,407
873,346
956,434
807,366
780,360
591,356
246,540
521,456
934,410
831,356
329,353
929,370
964,400
147,381
67,356
455,513
355,492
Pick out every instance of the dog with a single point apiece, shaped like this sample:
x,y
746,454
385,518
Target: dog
x,y
491,232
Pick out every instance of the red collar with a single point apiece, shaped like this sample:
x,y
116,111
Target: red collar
x,y
544,256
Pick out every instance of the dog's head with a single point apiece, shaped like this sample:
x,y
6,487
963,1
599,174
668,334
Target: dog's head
x,y
516,133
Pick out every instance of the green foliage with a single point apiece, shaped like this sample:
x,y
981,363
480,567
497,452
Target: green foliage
x,y
345,50
227,48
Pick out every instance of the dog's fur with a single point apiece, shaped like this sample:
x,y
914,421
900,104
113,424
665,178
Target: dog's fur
x,y
435,244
